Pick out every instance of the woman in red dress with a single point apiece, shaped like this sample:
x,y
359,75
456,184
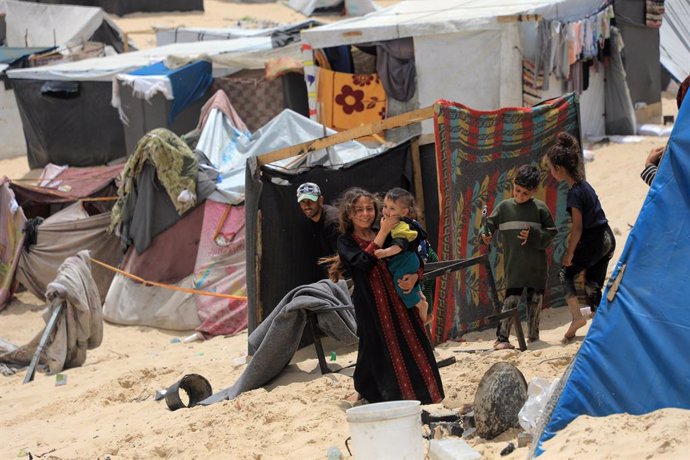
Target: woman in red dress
x,y
395,359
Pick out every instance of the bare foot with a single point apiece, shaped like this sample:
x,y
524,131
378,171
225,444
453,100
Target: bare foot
x,y
574,326
354,398
503,346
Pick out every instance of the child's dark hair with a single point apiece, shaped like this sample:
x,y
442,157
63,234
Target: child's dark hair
x,y
566,154
406,198
528,177
345,204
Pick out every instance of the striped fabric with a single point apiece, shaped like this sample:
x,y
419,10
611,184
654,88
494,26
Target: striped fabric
x,y
478,154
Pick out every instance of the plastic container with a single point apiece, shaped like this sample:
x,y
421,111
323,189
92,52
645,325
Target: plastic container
x,y
388,430
451,449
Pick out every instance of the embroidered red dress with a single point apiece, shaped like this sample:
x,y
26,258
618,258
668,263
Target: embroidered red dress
x,y
395,358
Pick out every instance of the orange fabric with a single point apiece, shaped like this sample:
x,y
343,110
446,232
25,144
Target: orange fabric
x,y
350,100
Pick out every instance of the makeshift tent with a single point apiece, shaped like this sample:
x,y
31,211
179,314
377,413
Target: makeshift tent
x,y
334,7
207,239
632,359
34,30
10,123
258,100
287,129
466,51
281,35
674,37
478,154
160,97
31,24
122,7
640,55
11,239
279,258
59,125
62,225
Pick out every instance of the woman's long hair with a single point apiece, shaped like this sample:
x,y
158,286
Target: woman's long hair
x,y
345,205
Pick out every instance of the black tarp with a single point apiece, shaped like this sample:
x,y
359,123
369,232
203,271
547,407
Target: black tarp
x,y
81,131
279,257
143,116
120,7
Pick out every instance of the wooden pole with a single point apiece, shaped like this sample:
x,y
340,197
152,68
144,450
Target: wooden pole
x,y
57,304
417,176
344,136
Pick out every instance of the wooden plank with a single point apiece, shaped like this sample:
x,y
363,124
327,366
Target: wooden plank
x,y
344,136
417,178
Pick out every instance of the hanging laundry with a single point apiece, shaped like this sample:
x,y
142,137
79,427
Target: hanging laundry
x,y
532,84
350,100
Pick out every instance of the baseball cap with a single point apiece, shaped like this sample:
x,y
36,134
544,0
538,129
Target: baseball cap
x,y
308,191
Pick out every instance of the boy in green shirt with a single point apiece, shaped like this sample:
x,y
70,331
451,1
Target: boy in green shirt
x,y
527,229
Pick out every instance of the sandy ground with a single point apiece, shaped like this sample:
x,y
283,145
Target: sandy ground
x,y
107,410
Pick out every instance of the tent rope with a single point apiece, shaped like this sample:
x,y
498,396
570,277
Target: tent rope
x,y
166,286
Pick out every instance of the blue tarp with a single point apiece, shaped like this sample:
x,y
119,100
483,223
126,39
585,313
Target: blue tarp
x,y
188,82
10,55
635,356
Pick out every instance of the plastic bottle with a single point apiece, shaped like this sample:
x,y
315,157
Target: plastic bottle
x,y
333,453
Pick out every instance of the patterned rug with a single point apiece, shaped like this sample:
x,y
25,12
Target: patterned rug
x,y
478,154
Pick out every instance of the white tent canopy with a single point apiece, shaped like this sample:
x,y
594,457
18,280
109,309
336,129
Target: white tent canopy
x,y
675,38
37,24
105,68
414,18
469,51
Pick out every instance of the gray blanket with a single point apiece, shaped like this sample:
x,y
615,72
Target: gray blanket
x,y
278,336
79,327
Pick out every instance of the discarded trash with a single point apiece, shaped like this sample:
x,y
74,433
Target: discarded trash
x,y
60,379
508,449
524,439
192,338
196,387
451,449
159,394
469,433
333,453
539,392
332,356
175,340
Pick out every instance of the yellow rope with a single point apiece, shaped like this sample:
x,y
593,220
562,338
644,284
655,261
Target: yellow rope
x,y
167,286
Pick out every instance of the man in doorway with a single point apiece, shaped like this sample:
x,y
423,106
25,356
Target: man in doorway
x,y
324,219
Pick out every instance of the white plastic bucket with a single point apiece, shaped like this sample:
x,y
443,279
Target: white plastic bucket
x,y
387,430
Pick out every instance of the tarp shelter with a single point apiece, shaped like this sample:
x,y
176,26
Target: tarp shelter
x,y
33,24
157,96
10,123
633,357
279,257
68,211
206,238
271,80
641,54
469,51
122,7
674,36
333,7
59,125
280,35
